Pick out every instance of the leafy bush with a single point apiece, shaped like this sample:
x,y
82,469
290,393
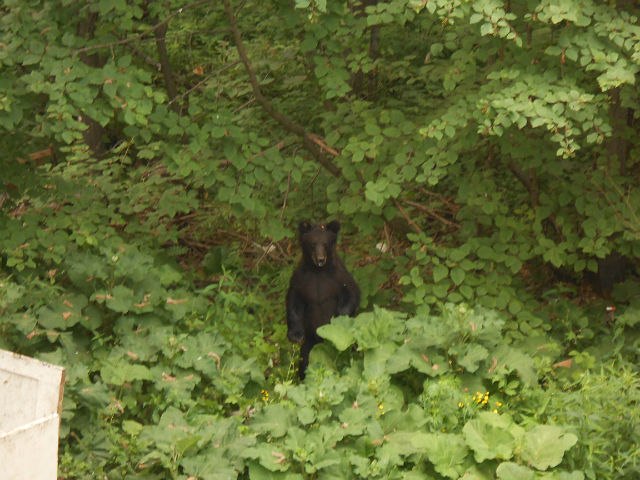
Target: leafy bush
x,y
369,422
156,154
602,409
356,415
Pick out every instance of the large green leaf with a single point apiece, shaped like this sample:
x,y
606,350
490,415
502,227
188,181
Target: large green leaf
x,y
121,299
268,457
339,332
545,445
398,445
258,472
121,372
513,471
63,312
491,436
447,452
171,430
209,467
375,360
471,357
273,420
376,328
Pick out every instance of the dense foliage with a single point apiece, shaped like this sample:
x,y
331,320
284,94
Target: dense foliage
x,y
156,156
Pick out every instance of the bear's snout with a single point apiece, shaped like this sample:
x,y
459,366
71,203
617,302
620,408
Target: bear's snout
x,y
319,256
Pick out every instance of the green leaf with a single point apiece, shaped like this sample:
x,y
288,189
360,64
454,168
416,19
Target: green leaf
x,y
62,312
119,371
401,360
258,472
402,444
372,329
486,29
513,471
486,253
270,458
375,360
353,420
441,290
446,451
211,465
339,332
273,420
472,356
491,436
458,275
306,415
440,272
545,445
133,428
372,129
511,359
171,430
121,299
475,18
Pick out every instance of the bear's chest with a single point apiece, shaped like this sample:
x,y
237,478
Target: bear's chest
x,y
320,288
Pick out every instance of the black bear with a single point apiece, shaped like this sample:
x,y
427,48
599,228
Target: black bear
x,y
320,288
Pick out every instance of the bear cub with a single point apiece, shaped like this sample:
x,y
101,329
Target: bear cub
x,y
320,288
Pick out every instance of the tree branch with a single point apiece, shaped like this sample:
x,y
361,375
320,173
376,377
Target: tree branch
x,y
529,181
312,143
431,213
165,65
414,226
94,132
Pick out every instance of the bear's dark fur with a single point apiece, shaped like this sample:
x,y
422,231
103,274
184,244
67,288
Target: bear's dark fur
x,y
320,288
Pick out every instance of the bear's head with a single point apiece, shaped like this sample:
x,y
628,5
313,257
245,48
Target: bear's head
x,y
318,242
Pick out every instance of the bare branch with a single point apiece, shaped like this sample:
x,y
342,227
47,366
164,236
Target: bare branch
x,y
310,141
431,213
414,226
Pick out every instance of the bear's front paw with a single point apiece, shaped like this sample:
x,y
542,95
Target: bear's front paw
x,y
295,336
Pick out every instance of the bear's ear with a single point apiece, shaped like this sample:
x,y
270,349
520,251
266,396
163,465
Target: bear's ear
x,y
334,226
304,227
